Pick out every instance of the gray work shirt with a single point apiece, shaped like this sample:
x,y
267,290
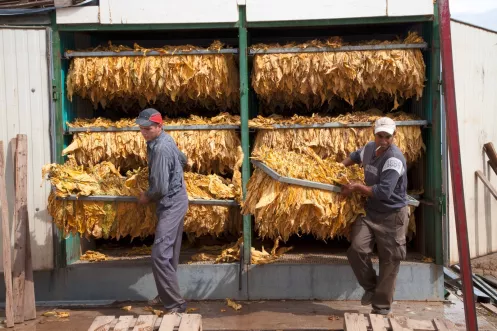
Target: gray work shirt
x,y
386,174
165,168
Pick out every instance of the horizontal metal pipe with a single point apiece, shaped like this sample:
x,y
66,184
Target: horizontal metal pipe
x,y
344,125
165,127
116,198
237,127
150,53
281,50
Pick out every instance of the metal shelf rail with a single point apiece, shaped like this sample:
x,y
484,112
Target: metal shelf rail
x,y
116,198
165,127
281,50
150,53
339,125
274,50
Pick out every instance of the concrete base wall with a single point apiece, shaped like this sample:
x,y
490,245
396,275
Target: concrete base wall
x,y
133,280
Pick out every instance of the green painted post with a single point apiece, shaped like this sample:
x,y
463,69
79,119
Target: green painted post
x,y
436,167
244,115
67,250
59,242
432,214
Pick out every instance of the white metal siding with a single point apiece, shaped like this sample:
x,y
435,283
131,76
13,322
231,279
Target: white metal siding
x,y
24,109
290,10
475,66
152,12
216,11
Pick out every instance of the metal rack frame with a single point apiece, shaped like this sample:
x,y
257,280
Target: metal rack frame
x,y
339,125
68,55
284,50
165,128
274,50
116,198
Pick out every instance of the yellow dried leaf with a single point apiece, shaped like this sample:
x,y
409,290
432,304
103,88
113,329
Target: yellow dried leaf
x,y
172,83
126,308
310,80
233,304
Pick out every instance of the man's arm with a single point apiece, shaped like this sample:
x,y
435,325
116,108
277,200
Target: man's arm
x,y
354,158
183,159
348,162
159,177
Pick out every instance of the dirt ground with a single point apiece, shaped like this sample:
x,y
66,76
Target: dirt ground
x,y
485,265
266,315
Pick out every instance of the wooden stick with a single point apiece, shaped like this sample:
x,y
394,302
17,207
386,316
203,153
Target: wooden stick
x,y
29,285
7,263
492,155
21,204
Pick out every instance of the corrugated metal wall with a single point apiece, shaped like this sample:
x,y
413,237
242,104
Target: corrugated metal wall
x,y
24,108
475,65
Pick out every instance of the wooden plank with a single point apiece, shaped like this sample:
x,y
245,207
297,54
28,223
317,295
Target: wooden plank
x,y
443,324
487,183
398,324
490,307
29,285
21,209
492,155
377,322
420,325
353,322
169,322
190,322
7,263
123,323
145,323
102,323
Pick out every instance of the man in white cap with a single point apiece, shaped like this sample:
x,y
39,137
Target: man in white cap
x,y
386,217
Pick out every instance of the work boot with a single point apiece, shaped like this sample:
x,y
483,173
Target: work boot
x,y
367,298
155,301
178,310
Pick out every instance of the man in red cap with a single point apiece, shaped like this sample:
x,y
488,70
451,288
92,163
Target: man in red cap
x,y
386,217
167,189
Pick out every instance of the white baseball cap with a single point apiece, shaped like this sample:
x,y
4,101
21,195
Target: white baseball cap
x,y
384,124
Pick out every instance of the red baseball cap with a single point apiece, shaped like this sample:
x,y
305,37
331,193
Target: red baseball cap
x,y
148,117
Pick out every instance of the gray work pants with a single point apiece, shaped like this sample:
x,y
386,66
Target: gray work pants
x,y
167,246
388,230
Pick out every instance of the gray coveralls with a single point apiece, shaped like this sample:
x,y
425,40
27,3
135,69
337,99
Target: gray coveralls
x,y
167,189
385,222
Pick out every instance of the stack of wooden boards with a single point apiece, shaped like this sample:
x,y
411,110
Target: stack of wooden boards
x,y
180,322
20,298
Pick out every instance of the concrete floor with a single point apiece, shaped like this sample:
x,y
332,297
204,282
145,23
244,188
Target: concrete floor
x,y
268,315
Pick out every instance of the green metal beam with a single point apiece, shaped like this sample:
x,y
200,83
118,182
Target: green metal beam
x,y
144,27
67,250
244,116
437,139
432,213
60,243
341,21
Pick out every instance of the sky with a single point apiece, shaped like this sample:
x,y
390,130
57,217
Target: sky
x,y
478,12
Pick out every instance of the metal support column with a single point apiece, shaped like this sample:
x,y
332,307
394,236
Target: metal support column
x,y
244,115
455,165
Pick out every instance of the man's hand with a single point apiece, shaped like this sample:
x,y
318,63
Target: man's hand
x,y
348,189
143,199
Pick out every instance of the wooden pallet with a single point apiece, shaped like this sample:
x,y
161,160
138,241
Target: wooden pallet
x,y
360,322
179,322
